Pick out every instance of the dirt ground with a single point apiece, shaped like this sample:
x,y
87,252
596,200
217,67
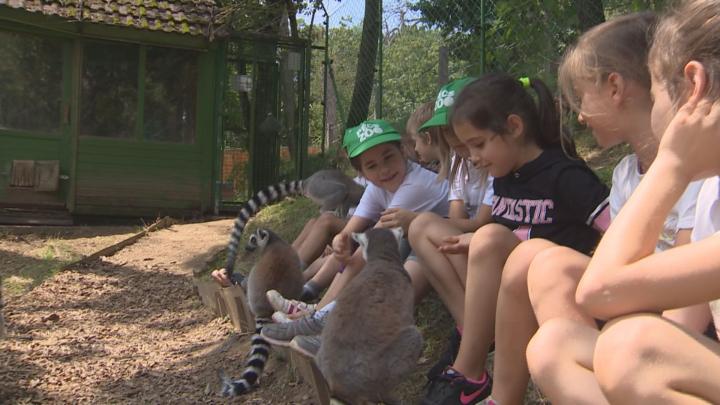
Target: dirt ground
x,y
127,328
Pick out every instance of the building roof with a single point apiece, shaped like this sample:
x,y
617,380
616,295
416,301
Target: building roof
x,y
192,17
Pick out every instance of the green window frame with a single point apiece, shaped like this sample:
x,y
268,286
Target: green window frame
x,y
138,92
31,83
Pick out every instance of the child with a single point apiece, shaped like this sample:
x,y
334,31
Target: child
x,y
397,189
644,358
432,237
539,193
430,146
606,71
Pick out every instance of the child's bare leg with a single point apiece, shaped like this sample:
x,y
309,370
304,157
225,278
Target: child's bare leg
x,y
303,234
489,249
645,359
313,268
696,317
326,274
340,280
514,324
425,234
560,358
319,236
552,280
419,281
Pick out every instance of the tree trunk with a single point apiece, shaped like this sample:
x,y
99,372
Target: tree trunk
x,y
590,13
331,118
365,74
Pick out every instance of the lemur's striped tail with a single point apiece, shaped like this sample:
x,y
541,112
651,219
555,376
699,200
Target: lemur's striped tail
x,y
268,195
254,365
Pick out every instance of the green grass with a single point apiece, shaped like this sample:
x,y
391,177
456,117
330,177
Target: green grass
x,y
37,265
601,161
286,219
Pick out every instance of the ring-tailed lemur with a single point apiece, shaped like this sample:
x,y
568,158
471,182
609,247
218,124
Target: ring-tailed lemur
x,y
329,188
277,268
370,342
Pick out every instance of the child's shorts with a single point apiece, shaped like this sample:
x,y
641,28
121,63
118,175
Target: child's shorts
x,y
406,252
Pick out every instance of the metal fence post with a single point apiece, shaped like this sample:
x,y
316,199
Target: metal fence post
x,y
379,88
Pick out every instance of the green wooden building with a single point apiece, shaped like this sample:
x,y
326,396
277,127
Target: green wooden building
x,y
143,107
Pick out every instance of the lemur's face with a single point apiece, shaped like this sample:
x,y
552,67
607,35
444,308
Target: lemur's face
x,y
258,239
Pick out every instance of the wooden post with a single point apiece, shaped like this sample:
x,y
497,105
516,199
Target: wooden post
x,y
310,372
238,309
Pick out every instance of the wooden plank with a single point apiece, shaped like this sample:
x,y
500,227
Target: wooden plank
x,y
110,250
311,374
238,309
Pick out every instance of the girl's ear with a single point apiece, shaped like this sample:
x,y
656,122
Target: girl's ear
x,y
515,125
695,80
616,84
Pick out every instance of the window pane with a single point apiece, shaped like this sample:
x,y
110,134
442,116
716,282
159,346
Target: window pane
x,y
109,90
30,82
170,94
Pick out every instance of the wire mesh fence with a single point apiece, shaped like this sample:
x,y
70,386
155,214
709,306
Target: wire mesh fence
x,y
387,57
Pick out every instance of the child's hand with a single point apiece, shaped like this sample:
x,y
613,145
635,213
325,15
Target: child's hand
x,y
456,244
341,247
394,217
692,140
220,275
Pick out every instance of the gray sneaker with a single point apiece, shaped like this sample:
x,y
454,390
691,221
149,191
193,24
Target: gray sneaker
x,y
307,345
282,333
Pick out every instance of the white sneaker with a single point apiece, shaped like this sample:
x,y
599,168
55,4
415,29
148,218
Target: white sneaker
x,y
289,307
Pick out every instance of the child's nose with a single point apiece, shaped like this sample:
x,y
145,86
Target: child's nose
x,y
581,119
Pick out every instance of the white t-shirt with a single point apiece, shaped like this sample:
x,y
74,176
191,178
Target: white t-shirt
x,y
626,178
420,191
707,223
469,187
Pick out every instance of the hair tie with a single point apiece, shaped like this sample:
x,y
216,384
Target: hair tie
x,y
525,81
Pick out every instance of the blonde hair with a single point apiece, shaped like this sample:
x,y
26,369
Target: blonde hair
x,y
420,116
690,31
618,46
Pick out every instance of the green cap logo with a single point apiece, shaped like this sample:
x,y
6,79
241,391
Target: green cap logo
x,y
368,134
445,99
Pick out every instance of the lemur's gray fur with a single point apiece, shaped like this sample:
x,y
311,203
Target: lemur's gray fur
x,y
277,268
329,188
370,342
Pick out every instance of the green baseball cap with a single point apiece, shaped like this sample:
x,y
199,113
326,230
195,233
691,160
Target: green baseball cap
x,y
445,99
368,134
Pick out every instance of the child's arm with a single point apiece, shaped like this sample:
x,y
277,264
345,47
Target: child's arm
x,y
341,243
483,216
624,276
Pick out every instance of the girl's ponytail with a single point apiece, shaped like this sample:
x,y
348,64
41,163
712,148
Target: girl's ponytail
x,y
551,131
488,101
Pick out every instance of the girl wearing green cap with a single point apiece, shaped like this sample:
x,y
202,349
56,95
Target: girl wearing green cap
x,y
438,240
397,190
539,192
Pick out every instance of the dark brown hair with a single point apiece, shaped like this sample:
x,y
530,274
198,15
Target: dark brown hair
x,y
487,102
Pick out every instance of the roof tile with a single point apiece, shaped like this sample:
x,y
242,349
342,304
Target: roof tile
x,y
192,17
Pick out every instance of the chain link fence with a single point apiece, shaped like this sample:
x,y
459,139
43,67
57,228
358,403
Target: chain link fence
x,y
421,44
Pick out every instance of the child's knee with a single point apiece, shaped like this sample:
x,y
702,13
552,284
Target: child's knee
x,y
550,272
625,347
418,226
327,220
490,237
515,271
545,350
